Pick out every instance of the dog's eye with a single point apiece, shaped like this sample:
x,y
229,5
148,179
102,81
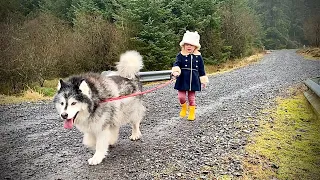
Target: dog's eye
x,y
73,103
61,103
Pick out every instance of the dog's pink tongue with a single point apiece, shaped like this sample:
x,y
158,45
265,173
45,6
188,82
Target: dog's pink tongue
x,y
68,124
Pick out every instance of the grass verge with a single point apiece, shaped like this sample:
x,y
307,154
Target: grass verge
x,y
232,64
287,143
29,95
32,94
310,53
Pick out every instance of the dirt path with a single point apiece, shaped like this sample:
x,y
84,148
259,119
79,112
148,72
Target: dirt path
x,y
34,144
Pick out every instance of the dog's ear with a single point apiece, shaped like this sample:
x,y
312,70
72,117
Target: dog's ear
x,y
85,89
61,84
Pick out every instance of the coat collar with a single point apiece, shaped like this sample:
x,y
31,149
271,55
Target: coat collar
x,y
185,53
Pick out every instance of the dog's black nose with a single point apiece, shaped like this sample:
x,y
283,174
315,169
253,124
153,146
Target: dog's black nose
x,y
64,115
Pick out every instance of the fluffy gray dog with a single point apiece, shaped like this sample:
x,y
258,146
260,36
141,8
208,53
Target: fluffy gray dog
x,y
79,102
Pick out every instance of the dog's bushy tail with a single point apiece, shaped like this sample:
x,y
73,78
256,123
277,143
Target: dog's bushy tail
x,y
130,64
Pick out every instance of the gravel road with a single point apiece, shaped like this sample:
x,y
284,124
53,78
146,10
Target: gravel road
x,y
34,144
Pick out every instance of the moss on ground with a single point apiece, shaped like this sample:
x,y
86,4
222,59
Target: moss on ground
x,y
287,143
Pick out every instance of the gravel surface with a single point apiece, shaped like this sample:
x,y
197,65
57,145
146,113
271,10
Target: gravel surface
x,y
34,144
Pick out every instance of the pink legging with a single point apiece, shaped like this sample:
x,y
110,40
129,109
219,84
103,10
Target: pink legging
x,y
191,97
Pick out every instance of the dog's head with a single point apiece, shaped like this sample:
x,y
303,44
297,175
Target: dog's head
x,y
73,98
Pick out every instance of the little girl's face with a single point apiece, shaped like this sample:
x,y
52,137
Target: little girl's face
x,y
189,48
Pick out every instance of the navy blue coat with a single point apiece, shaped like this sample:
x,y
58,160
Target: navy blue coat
x,y
192,68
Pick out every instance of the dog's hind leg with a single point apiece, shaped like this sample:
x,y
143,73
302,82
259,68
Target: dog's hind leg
x,y
136,134
102,145
89,140
114,131
135,118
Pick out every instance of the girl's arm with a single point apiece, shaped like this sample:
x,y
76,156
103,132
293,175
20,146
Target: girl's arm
x,y
203,78
176,71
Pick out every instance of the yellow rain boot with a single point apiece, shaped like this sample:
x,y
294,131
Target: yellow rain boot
x,y
183,111
192,113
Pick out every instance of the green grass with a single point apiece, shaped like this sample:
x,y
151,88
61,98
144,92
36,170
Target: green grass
x,y
46,91
287,144
29,95
32,94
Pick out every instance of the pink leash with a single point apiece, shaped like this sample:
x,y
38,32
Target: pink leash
x,y
137,93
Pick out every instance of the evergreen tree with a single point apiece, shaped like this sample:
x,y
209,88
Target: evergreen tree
x,y
150,31
296,14
275,22
240,28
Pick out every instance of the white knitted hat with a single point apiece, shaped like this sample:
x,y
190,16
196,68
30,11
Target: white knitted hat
x,y
192,38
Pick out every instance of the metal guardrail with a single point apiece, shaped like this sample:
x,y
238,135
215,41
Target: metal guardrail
x,y
154,76
148,76
313,93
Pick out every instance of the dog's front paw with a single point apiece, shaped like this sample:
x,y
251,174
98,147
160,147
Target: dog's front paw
x,y
95,160
135,136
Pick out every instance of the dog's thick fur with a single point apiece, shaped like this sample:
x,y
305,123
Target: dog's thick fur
x,y
78,102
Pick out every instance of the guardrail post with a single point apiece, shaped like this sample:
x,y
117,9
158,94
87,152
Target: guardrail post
x,y
313,94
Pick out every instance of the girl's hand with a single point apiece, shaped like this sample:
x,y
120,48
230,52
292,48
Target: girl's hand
x,y
203,85
175,74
